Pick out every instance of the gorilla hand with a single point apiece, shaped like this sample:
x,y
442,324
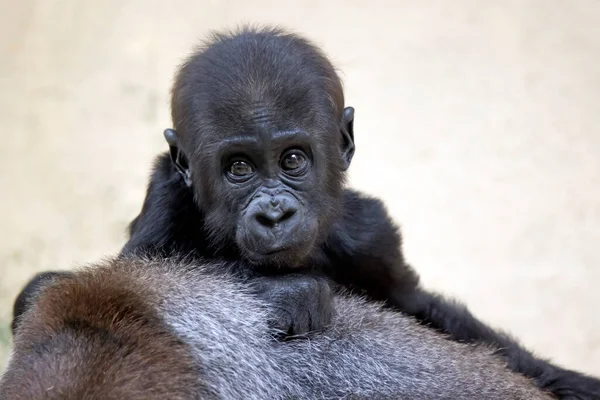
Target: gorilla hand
x,y
298,303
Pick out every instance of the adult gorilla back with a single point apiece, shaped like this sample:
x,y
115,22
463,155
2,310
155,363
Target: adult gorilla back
x,y
139,329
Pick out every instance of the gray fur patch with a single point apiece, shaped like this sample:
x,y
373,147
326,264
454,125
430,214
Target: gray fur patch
x,y
367,352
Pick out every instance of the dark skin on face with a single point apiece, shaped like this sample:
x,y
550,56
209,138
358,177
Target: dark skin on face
x,y
255,178
273,171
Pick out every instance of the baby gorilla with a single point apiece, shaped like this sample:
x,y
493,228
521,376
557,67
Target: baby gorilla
x,y
255,179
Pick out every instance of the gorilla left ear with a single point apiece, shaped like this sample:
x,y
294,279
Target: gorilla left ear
x,y
177,157
347,128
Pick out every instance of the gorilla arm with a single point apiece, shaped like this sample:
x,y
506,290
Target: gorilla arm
x,y
151,329
367,255
167,223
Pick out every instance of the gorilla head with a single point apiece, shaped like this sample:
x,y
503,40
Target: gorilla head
x,y
263,138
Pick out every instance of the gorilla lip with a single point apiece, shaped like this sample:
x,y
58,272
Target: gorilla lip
x,y
267,254
279,250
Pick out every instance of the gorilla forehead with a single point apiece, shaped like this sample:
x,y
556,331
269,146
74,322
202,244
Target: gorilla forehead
x,y
260,125
256,78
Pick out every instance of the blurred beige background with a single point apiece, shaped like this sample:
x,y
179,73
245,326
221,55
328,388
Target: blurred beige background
x,y
477,121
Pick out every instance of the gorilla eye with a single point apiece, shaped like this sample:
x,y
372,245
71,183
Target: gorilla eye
x,y
293,161
240,169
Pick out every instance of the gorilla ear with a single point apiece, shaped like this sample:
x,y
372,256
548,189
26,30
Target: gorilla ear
x,y
177,157
347,129
31,292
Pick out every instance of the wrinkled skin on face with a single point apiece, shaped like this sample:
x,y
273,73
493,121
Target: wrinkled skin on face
x,y
266,185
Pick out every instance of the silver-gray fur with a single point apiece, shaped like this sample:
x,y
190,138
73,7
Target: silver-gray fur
x,y
367,352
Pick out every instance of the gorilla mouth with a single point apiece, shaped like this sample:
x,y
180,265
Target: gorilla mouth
x,y
272,253
276,251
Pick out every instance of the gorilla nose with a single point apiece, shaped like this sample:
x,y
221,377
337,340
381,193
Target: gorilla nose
x,y
269,218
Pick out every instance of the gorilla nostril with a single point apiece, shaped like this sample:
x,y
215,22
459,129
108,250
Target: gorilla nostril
x,y
264,221
287,215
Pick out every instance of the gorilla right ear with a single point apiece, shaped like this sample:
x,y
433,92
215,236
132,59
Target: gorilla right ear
x,y
347,128
177,157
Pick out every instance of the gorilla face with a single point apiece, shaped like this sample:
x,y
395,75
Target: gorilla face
x,y
278,214
273,189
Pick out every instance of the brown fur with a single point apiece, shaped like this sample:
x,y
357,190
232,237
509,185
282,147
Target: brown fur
x,y
96,335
